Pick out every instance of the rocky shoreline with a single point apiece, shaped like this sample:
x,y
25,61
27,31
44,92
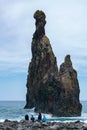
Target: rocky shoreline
x,y
29,125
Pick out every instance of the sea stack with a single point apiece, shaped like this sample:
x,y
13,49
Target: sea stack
x,y
50,90
70,84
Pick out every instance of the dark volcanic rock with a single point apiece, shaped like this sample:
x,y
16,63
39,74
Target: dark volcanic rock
x,y
68,78
46,88
40,23
28,125
43,87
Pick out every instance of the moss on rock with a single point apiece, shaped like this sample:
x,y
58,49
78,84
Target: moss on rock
x,y
39,15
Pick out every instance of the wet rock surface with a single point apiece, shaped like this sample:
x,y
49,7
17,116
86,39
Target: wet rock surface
x,y
28,125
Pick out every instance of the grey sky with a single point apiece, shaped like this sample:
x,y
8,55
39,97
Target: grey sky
x,y
66,28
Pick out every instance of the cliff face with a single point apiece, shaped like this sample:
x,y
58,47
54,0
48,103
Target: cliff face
x,y
47,89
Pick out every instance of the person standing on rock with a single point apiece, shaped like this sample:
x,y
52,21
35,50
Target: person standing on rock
x,y
26,117
39,117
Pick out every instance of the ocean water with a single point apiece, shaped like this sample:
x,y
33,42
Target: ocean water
x,y
14,110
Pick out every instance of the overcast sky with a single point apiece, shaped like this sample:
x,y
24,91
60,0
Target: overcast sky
x,y
66,28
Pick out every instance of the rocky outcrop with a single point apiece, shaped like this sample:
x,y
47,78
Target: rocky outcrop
x,y
68,78
47,89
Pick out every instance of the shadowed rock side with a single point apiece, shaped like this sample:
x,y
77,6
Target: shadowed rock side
x,y
46,90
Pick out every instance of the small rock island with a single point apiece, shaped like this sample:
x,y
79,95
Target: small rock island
x,y
50,90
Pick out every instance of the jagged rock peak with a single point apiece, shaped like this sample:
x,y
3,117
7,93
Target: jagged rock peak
x,y
40,23
68,61
70,84
39,15
67,65
50,90
42,84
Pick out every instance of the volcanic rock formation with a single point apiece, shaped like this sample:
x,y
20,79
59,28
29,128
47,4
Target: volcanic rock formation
x,y
48,90
68,78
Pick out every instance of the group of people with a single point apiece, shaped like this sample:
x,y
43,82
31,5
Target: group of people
x,y
38,119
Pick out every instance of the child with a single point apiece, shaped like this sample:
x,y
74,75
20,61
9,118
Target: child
x,y
32,118
44,118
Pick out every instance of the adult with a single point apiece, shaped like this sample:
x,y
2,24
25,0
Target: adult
x,y
39,117
26,117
